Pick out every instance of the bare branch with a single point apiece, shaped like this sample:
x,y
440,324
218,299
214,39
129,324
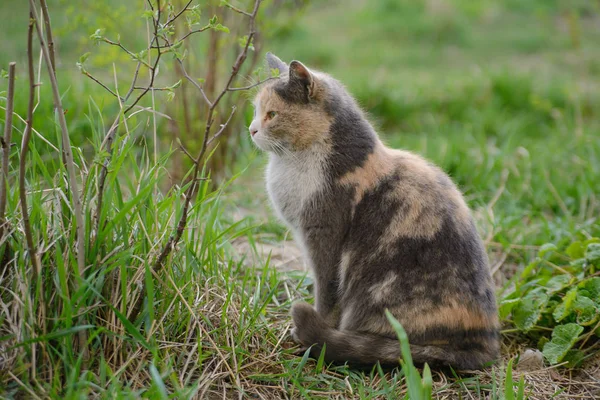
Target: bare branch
x,y
193,82
48,28
237,10
6,142
156,23
152,88
184,9
133,82
251,86
190,33
132,54
99,83
187,153
223,126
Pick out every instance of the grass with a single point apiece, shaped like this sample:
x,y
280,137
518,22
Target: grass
x,y
499,94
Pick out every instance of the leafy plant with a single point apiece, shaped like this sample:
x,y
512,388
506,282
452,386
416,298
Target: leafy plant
x,y
561,291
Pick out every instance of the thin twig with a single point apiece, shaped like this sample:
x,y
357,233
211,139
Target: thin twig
x,y
223,126
190,33
70,166
187,153
6,142
237,10
193,82
152,88
184,9
49,38
153,68
133,82
132,54
233,89
99,83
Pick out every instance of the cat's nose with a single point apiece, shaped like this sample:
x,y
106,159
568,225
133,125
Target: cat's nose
x,y
253,131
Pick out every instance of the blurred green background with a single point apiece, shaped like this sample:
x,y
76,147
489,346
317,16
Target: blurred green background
x,y
502,94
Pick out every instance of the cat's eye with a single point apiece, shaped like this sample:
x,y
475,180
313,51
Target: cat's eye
x,y
271,114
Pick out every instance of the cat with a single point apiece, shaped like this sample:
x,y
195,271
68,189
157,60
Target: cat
x,y
380,228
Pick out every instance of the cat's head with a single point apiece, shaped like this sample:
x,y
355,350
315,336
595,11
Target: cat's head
x,y
292,112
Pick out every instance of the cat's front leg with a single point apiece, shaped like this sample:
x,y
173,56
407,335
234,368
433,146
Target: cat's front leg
x,y
323,247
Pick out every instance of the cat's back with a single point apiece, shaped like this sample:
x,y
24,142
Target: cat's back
x,y
415,197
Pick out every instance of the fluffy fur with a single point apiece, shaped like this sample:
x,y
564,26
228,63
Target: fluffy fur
x,y
381,228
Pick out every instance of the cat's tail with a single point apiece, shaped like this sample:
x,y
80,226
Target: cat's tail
x,y
368,349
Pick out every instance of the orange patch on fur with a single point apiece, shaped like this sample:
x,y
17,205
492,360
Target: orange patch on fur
x,y
304,125
453,315
379,164
420,192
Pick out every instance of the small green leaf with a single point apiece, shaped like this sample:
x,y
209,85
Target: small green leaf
x,y
592,253
221,28
574,357
506,307
3,73
84,57
547,248
140,56
275,72
176,85
563,338
575,250
557,283
243,41
564,308
98,35
591,288
528,311
149,14
586,310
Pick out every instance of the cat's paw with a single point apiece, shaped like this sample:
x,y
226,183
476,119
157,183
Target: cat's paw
x,y
309,326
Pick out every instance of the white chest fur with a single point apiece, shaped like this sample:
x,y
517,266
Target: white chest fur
x,y
292,182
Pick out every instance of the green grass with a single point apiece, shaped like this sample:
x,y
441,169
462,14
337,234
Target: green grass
x,y
502,95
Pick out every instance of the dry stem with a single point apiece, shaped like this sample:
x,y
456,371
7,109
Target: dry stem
x,y
69,164
6,142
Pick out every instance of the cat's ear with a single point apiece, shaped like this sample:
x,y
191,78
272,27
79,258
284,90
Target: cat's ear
x,y
275,63
299,73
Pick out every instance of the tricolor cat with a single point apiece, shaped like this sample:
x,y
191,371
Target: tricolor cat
x,y
381,229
